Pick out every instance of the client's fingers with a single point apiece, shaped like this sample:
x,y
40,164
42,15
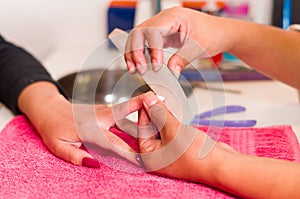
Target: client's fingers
x,y
119,146
128,126
146,134
109,116
166,123
121,110
72,153
175,138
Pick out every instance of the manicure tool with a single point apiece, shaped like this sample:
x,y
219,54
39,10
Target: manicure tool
x,y
205,118
162,82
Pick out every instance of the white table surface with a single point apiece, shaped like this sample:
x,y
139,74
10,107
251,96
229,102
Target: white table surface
x,y
269,102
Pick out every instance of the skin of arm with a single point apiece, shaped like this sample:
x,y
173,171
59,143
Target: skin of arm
x,y
52,116
270,50
223,168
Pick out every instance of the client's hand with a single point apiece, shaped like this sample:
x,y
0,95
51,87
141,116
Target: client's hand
x,y
63,128
181,151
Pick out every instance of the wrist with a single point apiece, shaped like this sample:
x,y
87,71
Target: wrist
x,y
212,168
38,96
234,33
241,35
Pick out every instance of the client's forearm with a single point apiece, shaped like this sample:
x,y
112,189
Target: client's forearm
x,y
249,176
255,177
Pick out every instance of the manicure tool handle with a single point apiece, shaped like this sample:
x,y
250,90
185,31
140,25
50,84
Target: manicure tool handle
x,y
221,110
225,123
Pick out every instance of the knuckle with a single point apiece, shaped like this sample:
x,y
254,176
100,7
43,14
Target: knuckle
x,y
62,152
113,140
157,112
127,56
138,56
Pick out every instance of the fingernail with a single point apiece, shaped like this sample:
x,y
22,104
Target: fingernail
x,y
90,162
176,71
131,67
132,70
150,99
161,98
156,66
140,69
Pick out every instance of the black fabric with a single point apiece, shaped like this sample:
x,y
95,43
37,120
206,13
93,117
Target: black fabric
x,y
18,69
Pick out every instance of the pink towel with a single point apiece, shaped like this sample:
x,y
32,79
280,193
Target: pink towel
x,y
28,170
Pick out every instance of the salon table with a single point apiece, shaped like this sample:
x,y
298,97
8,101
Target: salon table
x,y
269,102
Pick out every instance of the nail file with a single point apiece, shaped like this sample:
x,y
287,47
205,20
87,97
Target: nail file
x,y
162,82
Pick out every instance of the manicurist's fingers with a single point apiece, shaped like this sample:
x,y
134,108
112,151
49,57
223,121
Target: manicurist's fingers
x,y
137,49
155,43
189,51
176,64
128,56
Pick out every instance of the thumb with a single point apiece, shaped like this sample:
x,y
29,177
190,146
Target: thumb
x,y
159,114
71,153
176,64
190,51
155,109
146,134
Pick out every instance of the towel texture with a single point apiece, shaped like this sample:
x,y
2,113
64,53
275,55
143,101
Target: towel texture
x,y
28,170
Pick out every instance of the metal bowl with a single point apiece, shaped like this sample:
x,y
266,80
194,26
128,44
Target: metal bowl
x,y
105,86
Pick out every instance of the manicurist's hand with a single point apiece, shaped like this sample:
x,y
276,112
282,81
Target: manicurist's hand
x,y
199,35
193,33
63,126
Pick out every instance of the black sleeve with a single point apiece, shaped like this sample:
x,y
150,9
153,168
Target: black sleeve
x,y
18,69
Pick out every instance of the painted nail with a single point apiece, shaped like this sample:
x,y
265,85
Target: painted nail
x,y
90,162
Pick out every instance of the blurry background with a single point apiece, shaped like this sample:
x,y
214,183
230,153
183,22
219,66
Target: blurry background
x,y
43,26
62,33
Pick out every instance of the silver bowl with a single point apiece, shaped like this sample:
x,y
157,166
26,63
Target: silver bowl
x,y
106,86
